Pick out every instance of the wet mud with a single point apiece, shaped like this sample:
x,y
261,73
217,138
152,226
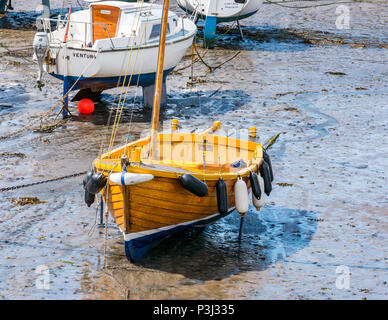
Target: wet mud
x,y
328,208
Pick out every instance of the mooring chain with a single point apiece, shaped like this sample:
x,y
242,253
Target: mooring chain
x,y
44,181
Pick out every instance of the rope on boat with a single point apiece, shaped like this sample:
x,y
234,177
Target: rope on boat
x,y
120,105
114,131
106,224
122,99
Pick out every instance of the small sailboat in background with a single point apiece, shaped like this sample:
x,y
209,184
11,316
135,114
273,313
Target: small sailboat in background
x,y
216,11
92,49
158,185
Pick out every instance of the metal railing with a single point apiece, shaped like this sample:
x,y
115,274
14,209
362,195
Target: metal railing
x,y
46,26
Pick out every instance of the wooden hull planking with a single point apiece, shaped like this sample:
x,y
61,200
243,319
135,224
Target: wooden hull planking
x,y
162,202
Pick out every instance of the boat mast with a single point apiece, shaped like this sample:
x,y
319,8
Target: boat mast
x,y
158,84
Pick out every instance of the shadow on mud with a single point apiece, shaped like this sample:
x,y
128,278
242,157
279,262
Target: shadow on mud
x,y
267,38
180,105
19,20
11,97
215,253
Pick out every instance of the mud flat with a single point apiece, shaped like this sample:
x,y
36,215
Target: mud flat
x,y
328,209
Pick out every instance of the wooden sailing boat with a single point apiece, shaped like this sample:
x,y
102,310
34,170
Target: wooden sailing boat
x,y
161,184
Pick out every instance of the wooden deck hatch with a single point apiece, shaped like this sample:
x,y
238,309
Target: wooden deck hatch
x,y
107,15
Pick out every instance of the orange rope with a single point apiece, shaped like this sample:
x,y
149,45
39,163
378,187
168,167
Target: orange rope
x,y
67,25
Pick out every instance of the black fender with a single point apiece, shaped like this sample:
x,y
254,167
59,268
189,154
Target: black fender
x,y
265,173
96,182
194,185
256,190
89,198
267,159
87,177
222,196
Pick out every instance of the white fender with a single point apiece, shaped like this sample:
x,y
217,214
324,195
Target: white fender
x,y
259,203
128,178
241,196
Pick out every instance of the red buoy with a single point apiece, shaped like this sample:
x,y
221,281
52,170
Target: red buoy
x,y
86,106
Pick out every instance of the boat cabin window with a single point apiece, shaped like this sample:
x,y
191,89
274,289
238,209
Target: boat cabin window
x,y
240,1
155,31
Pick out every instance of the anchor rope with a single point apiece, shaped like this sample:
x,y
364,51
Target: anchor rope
x,y
31,123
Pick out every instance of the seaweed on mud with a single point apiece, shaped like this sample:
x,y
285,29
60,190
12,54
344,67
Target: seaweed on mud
x,y
335,73
26,201
285,184
8,155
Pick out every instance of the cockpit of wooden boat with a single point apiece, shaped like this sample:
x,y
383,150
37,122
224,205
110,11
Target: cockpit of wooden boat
x,y
199,154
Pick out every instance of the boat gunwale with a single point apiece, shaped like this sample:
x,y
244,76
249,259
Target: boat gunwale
x,y
106,165
99,50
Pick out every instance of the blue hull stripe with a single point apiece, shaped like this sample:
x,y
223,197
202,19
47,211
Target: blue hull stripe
x,y
143,80
136,248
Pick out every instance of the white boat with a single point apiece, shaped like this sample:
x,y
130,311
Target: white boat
x,y
93,49
216,11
